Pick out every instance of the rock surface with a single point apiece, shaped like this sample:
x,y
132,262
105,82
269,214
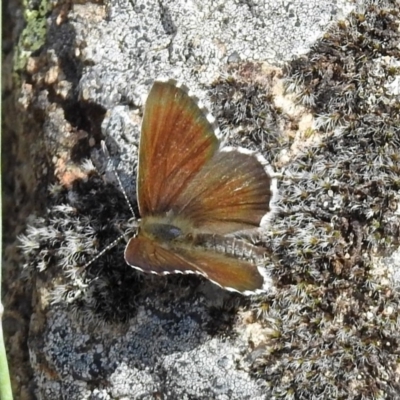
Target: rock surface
x,y
328,122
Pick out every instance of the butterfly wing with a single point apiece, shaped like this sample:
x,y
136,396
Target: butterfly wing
x,y
234,191
228,272
176,141
193,187
181,170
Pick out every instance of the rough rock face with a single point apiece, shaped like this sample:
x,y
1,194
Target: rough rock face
x,y
328,122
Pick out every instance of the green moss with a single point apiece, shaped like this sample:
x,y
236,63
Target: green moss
x,y
33,36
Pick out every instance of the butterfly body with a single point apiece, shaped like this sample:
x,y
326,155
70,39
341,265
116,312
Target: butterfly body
x,y
165,229
192,193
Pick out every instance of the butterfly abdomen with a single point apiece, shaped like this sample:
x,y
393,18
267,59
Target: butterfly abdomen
x,y
230,246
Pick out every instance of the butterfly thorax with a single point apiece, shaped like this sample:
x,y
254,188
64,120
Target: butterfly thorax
x,y
166,228
171,229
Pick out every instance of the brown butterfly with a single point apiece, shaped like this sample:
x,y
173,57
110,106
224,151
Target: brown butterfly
x,y
194,195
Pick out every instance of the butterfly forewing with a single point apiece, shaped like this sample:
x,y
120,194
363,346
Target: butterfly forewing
x,y
176,141
232,192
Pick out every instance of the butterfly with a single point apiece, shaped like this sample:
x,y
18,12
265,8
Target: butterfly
x,y
194,195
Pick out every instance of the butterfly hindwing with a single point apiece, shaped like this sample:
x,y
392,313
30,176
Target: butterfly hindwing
x,y
228,272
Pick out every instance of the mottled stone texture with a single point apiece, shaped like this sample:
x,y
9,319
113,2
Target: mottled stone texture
x,y
325,115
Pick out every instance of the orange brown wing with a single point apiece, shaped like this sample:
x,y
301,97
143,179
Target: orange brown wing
x,y
234,191
230,273
177,139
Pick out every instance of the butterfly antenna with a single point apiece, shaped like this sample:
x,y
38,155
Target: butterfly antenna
x,y
107,154
122,236
102,252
